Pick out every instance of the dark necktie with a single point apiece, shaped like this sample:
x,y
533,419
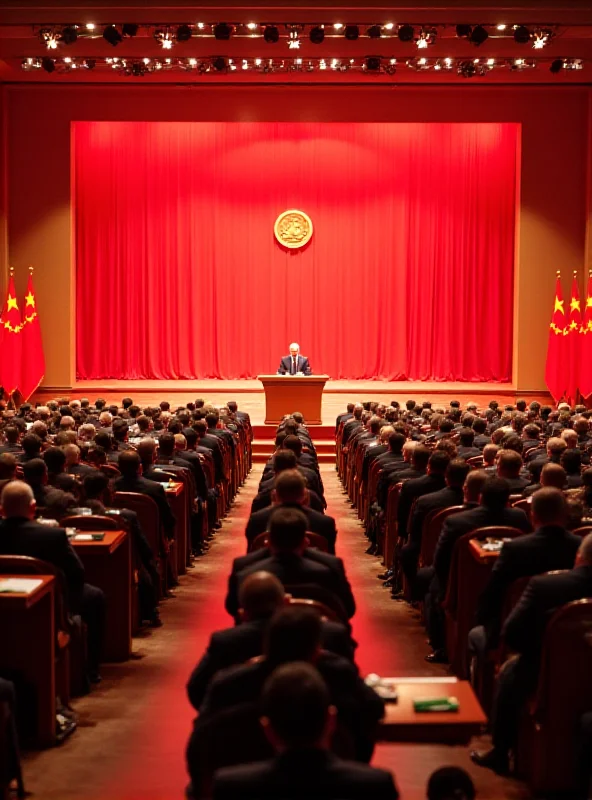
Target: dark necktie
x,y
294,365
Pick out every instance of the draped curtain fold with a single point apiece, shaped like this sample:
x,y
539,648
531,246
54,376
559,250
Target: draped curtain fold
x,y
409,274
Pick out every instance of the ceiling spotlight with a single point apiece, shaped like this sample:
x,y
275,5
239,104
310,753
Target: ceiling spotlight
x,y
201,25
351,32
425,38
463,31
48,64
374,31
164,38
317,34
372,64
294,39
521,34
541,39
112,35
501,27
478,35
130,29
252,26
219,64
338,26
69,34
389,26
90,26
271,34
467,69
183,33
49,39
406,33
222,31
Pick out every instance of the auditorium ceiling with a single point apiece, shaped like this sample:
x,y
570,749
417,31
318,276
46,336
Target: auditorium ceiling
x,y
436,42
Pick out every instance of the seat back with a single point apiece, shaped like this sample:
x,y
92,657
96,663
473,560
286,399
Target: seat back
x,y
110,471
149,520
307,602
313,540
312,591
91,523
432,527
525,505
475,462
564,694
583,531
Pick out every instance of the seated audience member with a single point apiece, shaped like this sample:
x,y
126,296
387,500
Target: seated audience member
x,y
131,480
490,452
35,474
467,448
571,461
21,535
59,504
290,490
550,547
283,460
414,465
55,460
309,468
450,783
492,510
432,481
8,465
575,513
394,456
73,465
11,440
260,596
31,444
451,495
523,633
551,475
531,440
99,498
480,429
295,634
509,465
294,564
553,451
299,722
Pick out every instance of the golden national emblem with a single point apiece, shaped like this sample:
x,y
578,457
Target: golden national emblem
x,y
293,228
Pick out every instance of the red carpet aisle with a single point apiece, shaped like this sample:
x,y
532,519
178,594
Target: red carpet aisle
x,y
135,727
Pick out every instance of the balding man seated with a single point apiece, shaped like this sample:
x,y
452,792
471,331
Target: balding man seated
x,y
260,596
20,535
290,490
283,460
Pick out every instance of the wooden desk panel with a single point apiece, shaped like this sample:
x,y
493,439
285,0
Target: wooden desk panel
x,y
175,492
108,565
402,723
28,636
287,393
481,555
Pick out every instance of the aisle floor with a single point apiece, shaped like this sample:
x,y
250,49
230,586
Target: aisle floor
x,y
133,728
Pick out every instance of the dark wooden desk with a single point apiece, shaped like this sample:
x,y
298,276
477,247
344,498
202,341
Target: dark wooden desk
x,y
27,633
402,723
481,555
175,492
287,393
108,565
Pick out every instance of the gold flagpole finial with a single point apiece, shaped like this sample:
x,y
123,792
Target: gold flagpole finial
x,y
575,272
11,270
558,272
31,268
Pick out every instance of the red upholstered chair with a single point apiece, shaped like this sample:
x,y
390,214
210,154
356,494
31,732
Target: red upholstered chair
x,y
149,520
466,582
525,504
432,527
390,524
322,610
547,749
475,462
110,471
88,522
583,531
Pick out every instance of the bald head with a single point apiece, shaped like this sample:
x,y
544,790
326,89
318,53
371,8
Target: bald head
x,y
584,555
146,449
72,452
260,595
17,500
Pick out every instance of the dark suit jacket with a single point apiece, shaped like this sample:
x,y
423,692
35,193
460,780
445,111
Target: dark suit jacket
x,y
464,522
264,560
233,646
285,367
154,490
468,452
525,627
481,440
548,548
23,537
82,470
317,523
444,498
413,489
312,481
193,461
263,500
295,775
213,445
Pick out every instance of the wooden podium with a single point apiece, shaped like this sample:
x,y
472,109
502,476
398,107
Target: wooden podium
x,y
285,394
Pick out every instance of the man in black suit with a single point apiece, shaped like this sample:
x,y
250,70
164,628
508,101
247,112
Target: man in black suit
x,y
73,465
299,721
131,480
11,440
293,563
411,490
550,547
295,634
509,466
211,442
261,595
493,509
283,460
467,447
344,417
312,475
524,632
290,490
451,495
479,428
20,535
294,364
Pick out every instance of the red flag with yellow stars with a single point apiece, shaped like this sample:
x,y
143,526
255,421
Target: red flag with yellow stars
x,y
33,364
573,338
586,343
10,341
556,372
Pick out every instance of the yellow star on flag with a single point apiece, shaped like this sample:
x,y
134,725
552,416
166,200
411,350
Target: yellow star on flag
x,y
558,305
30,300
573,326
12,303
575,304
589,302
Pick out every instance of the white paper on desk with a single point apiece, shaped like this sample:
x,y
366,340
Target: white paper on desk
x,y
83,537
19,585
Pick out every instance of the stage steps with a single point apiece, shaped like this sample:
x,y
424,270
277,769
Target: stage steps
x,y
323,437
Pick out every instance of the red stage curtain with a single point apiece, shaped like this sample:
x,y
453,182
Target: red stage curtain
x,y
409,273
